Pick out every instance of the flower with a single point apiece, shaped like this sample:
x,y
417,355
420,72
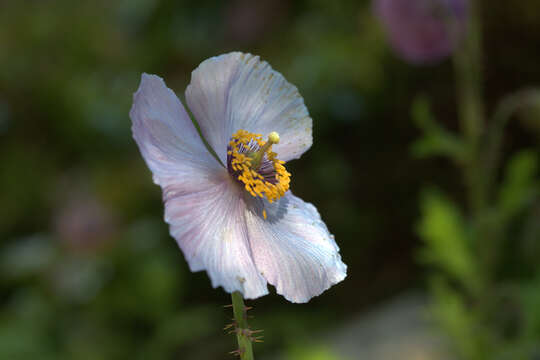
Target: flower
x,y
423,31
237,219
81,220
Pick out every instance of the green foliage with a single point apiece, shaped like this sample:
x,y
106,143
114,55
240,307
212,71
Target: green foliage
x,y
84,250
529,297
312,352
519,187
485,296
106,281
447,239
471,298
435,140
457,318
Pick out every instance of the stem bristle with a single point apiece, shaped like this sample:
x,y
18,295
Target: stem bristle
x,y
240,327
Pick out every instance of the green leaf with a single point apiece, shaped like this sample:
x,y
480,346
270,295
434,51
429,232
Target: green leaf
x,y
529,294
314,352
460,322
446,239
518,188
436,141
422,115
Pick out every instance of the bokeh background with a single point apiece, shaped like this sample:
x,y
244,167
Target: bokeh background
x,y
87,268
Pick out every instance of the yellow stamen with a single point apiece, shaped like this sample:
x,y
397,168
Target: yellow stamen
x,y
264,214
273,138
246,165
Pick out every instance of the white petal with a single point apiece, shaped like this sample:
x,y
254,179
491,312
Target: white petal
x,y
293,249
238,91
167,139
209,225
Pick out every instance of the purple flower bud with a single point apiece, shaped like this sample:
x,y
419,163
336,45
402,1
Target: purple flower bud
x,y
423,31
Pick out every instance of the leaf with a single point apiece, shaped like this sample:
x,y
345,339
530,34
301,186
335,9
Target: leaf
x,y
446,239
529,293
460,322
518,188
313,352
436,141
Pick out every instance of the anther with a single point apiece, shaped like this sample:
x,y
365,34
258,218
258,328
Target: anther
x,y
273,138
250,160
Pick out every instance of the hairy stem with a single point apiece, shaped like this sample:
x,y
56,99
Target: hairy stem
x,y
243,333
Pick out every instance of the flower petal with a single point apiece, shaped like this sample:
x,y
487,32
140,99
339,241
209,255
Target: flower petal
x,y
239,91
293,249
208,224
202,206
167,139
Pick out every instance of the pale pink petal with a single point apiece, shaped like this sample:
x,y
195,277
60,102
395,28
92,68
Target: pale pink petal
x,y
167,139
239,91
293,249
203,207
209,225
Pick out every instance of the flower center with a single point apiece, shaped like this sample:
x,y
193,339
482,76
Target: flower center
x,y
250,161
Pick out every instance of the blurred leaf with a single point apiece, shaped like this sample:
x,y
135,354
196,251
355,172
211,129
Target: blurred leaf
x,y
24,326
518,188
530,117
436,141
77,279
312,352
84,338
27,256
461,323
530,299
525,103
446,239
181,329
422,115
524,344
531,236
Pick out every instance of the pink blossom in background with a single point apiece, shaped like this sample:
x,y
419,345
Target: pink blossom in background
x,y
423,31
236,218
82,221
247,21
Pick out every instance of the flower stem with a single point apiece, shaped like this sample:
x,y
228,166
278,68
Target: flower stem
x,y
468,73
243,333
468,70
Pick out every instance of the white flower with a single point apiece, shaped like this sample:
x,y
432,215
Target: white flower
x,y
237,220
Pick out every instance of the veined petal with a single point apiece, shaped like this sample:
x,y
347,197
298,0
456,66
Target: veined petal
x,y
203,207
167,139
293,249
209,225
239,91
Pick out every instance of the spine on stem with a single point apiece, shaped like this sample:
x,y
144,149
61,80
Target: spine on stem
x,y
244,335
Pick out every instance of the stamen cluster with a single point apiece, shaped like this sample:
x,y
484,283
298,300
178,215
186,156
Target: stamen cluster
x,y
265,178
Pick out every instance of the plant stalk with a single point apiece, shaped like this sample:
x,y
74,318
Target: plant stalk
x,y
468,71
243,333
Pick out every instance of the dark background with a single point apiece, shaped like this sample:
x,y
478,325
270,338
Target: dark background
x,y
87,268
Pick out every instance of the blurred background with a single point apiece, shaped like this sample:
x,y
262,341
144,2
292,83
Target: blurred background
x,y
442,249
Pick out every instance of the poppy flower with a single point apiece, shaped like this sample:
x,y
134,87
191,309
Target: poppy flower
x,y
236,218
423,31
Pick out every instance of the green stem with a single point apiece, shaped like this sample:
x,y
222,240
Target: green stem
x,y
503,113
467,64
468,72
243,333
